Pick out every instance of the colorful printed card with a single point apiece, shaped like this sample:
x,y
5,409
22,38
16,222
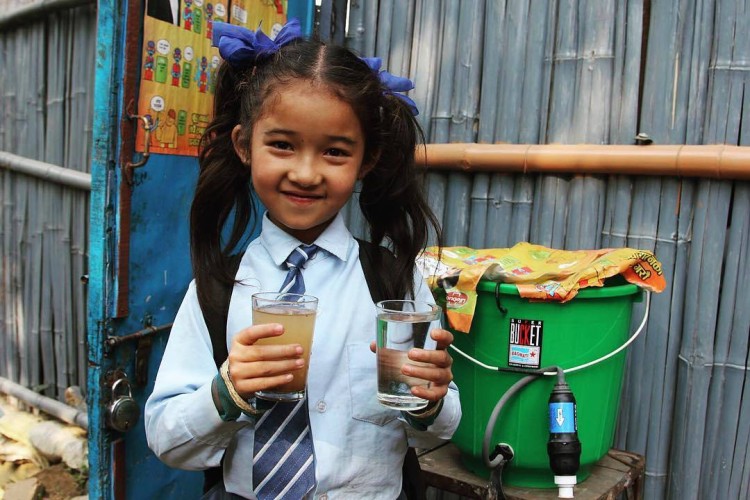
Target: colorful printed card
x,y
178,69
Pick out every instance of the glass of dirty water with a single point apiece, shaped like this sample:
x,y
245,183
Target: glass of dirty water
x,y
296,313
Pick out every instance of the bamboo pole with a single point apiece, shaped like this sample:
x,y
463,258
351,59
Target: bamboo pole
x,y
711,161
48,405
34,10
46,171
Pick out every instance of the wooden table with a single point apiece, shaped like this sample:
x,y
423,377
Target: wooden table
x,y
618,472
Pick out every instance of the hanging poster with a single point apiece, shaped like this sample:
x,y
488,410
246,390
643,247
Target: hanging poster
x,y
179,66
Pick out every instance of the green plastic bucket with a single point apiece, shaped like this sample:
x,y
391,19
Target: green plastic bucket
x,y
593,324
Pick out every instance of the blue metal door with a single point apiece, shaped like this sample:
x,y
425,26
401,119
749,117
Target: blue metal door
x,y
139,264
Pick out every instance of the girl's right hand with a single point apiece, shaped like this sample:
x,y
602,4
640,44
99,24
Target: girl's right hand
x,y
254,368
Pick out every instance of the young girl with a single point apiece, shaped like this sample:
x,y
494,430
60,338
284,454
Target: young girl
x,y
298,123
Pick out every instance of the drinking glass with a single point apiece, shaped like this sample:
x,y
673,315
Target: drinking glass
x,y
297,314
402,325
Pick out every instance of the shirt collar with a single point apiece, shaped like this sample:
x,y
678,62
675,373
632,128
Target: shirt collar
x,y
335,239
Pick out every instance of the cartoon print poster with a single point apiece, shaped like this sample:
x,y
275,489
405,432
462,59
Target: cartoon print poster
x,y
178,66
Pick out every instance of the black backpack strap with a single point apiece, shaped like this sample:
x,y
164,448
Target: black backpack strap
x,y
216,322
376,260
412,481
216,318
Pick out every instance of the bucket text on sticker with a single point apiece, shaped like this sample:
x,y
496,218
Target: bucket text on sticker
x,y
525,343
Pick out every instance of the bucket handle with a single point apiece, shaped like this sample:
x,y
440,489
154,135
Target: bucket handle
x,y
500,307
575,368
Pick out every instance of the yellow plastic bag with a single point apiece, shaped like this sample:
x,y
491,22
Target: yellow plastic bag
x,y
540,273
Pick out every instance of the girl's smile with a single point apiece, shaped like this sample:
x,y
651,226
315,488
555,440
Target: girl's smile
x,y
306,153
301,198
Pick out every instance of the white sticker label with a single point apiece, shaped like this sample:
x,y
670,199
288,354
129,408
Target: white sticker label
x,y
525,343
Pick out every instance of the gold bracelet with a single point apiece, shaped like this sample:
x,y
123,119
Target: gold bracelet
x,y
238,400
429,412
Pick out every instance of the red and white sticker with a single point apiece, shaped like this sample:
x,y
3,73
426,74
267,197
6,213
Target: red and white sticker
x,y
456,299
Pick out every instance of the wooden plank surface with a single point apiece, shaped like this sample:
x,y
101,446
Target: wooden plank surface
x,y
618,471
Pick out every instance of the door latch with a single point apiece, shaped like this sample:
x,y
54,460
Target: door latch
x,y
130,166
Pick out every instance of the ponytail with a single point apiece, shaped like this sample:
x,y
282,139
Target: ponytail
x,y
392,198
224,188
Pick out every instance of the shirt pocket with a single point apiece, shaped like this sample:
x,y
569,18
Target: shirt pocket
x,y
363,386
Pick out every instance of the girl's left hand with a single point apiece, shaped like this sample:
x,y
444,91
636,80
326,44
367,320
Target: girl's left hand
x,y
439,374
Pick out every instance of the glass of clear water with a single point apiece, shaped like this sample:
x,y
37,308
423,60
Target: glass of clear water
x,y
402,325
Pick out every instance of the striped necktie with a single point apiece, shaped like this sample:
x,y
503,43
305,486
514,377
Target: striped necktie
x,y
283,458
293,283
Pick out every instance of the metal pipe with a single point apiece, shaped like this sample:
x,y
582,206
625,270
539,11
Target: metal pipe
x,y
48,405
37,10
712,161
46,171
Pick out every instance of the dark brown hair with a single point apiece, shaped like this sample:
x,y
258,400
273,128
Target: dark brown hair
x,y
392,200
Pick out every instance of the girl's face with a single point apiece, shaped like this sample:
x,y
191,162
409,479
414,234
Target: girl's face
x,y
306,152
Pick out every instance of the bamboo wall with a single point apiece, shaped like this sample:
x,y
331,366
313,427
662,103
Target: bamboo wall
x,y
600,72
517,71
46,78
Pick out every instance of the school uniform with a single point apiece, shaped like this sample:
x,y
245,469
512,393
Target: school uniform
x,y
359,444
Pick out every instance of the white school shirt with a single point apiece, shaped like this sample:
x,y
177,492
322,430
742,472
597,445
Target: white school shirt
x,y
359,444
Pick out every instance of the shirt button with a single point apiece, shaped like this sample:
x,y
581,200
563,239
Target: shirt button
x,y
323,497
321,406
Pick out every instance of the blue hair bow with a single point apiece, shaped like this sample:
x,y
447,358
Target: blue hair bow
x,y
392,83
241,47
